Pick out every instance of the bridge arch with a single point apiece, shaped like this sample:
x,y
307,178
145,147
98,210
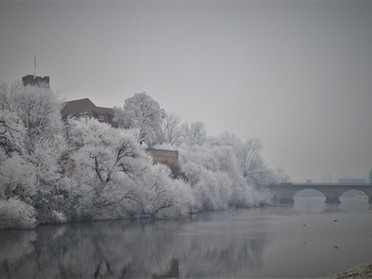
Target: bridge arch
x,y
309,192
285,192
330,196
355,193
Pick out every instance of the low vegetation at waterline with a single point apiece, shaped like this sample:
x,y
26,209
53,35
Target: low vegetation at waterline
x,y
55,172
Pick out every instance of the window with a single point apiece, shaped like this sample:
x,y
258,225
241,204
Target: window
x,y
101,117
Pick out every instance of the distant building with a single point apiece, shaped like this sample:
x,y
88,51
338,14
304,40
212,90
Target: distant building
x,y
168,158
37,81
86,108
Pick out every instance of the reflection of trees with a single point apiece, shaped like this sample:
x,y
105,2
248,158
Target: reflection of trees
x,y
15,247
122,249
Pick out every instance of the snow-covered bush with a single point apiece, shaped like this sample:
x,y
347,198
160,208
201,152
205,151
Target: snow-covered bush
x,y
17,178
12,133
216,179
15,214
59,217
160,196
213,191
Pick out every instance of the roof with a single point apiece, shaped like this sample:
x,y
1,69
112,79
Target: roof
x,y
86,108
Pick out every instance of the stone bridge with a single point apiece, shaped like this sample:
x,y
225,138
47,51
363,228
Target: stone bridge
x,y
284,192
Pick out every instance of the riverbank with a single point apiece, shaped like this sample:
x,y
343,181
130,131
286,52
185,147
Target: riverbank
x,y
360,271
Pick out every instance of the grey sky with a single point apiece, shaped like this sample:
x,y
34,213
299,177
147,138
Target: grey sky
x,y
297,74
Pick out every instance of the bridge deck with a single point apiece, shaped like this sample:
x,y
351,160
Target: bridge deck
x,y
332,191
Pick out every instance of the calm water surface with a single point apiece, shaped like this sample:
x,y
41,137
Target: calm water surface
x,y
307,239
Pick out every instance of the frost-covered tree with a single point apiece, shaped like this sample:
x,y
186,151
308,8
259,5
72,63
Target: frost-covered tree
x,y
160,196
112,176
215,177
193,133
12,129
250,160
105,160
171,128
17,179
37,108
254,169
15,214
12,133
223,172
280,176
31,128
90,170
143,113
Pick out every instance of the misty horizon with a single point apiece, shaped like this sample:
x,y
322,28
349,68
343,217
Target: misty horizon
x,y
294,74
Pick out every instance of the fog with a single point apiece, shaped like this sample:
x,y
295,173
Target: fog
x,y
296,74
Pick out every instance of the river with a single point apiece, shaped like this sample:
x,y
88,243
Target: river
x,y
307,239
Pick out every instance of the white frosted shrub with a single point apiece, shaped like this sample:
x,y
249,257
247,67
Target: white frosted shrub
x,y
12,132
17,178
216,178
161,196
213,191
59,217
15,214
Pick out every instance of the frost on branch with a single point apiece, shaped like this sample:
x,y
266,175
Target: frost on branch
x,y
17,179
12,133
16,214
216,176
193,133
160,196
113,177
37,109
32,138
250,162
105,159
144,113
90,170
171,129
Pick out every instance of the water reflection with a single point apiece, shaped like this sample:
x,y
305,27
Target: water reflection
x,y
123,249
306,239
318,204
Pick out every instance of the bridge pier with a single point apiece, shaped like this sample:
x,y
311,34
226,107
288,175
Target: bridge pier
x,y
332,199
286,200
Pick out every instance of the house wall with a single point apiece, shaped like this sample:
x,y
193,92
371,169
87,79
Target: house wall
x,y
166,157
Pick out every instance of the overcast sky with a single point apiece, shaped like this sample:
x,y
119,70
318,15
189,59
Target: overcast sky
x,y
296,74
